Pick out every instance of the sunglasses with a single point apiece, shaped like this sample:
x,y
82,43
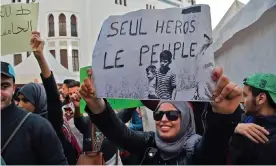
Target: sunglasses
x,y
171,115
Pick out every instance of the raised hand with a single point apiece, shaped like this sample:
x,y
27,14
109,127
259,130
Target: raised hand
x,y
227,94
87,92
37,44
252,131
75,98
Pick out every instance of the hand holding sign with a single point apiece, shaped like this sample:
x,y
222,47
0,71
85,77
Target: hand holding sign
x,y
87,92
227,94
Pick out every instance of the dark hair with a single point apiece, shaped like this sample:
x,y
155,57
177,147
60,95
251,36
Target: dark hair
x,y
151,68
256,92
74,84
166,55
68,81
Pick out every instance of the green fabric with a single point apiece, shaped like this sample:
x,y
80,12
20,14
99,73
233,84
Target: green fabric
x,y
263,81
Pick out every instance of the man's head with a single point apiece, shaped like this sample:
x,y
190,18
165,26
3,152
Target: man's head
x,y
259,93
151,71
7,84
64,89
73,88
165,58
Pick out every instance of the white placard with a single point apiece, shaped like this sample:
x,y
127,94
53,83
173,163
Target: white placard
x,y
149,54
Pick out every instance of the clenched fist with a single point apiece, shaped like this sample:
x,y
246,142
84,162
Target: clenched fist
x,y
37,44
227,94
88,93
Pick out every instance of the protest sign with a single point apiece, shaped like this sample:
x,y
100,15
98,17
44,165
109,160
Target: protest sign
x,y
150,54
17,23
116,104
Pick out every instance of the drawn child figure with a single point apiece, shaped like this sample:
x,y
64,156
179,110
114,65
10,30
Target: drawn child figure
x,y
166,79
151,74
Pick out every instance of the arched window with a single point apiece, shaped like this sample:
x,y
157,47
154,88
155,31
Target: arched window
x,y
62,25
74,31
51,27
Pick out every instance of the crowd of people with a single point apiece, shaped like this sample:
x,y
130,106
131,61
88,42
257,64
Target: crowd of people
x,y
43,123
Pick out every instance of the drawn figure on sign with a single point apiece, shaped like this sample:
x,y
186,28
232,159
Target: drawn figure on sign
x,y
201,91
151,74
165,78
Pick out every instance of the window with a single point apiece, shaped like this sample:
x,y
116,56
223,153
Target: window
x,y
18,0
74,26
150,6
27,1
13,1
75,60
62,25
121,2
28,54
17,58
51,25
64,58
53,52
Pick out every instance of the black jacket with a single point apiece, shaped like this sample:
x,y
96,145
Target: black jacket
x,y
245,151
35,143
212,148
55,117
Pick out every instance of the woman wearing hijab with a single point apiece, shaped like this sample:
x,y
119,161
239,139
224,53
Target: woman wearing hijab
x,y
32,97
175,141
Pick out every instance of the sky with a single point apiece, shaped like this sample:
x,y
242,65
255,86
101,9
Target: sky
x,y
218,8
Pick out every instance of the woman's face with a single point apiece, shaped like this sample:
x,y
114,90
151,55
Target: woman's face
x,y
25,103
166,128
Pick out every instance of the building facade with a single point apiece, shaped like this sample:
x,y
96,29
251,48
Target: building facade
x,y
70,27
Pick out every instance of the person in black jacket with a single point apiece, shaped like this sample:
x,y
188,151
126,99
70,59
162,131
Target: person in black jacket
x,y
175,141
30,145
254,141
45,101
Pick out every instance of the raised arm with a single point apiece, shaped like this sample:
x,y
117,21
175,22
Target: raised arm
x,y
222,118
104,117
212,149
115,130
54,105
